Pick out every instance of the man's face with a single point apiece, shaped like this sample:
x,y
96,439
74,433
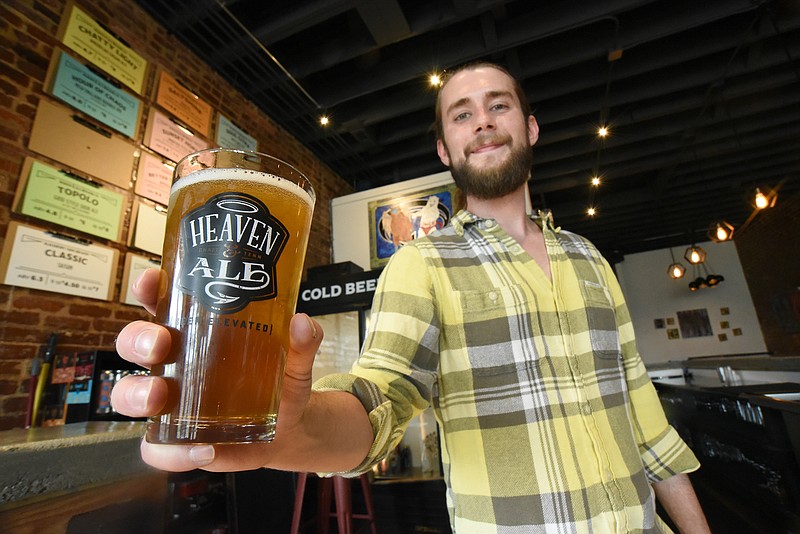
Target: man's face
x,y
487,140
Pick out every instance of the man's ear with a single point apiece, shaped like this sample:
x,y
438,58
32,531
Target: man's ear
x,y
533,130
444,156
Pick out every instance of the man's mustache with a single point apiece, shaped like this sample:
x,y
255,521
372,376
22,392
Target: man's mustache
x,y
486,139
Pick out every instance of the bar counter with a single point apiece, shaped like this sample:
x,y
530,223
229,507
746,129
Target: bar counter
x,y
56,479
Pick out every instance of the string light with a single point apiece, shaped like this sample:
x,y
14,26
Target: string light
x,y
324,120
435,80
595,181
602,131
591,212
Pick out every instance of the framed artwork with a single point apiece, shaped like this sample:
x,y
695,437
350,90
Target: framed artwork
x,y
694,323
658,323
393,222
673,333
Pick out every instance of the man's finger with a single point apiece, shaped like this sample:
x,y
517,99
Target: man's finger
x,y
139,396
177,458
145,289
144,343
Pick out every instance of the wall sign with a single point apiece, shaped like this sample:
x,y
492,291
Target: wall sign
x,y
52,195
347,292
231,136
153,178
43,260
184,104
92,41
65,136
148,224
135,265
170,139
75,84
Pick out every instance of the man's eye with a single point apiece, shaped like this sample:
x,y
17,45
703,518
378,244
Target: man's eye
x,y
461,116
497,107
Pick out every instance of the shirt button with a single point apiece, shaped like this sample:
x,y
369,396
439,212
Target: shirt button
x,y
516,249
488,225
587,409
493,296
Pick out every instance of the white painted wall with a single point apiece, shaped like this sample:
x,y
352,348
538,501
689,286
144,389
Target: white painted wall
x,y
350,216
651,295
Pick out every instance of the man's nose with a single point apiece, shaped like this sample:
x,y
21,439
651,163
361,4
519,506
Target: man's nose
x,y
484,121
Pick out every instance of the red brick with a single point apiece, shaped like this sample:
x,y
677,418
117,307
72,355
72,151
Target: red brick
x,y
109,325
8,387
10,421
131,313
19,318
15,404
89,310
47,303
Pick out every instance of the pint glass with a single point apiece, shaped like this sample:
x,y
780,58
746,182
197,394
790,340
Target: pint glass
x,y
236,236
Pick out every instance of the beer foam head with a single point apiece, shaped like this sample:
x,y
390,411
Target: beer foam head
x,y
233,174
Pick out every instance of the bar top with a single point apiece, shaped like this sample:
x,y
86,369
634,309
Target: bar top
x,y
39,462
72,435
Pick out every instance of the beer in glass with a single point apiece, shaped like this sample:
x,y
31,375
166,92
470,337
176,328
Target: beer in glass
x,y
236,236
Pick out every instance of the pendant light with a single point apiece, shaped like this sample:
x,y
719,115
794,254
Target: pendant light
x,y
695,255
721,231
676,269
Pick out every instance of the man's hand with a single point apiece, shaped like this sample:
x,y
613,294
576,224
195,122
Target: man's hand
x,y
146,344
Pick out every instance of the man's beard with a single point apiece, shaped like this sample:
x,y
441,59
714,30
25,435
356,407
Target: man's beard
x,y
496,182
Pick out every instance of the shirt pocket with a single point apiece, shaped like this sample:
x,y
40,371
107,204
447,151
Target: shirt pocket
x,y
601,320
499,335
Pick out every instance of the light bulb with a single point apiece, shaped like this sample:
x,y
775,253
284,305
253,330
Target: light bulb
x,y
590,212
602,131
324,120
761,200
596,180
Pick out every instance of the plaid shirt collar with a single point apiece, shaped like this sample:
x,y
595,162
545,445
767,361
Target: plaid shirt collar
x,y
464,219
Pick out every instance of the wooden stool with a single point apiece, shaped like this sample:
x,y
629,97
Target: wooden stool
x,y
344,512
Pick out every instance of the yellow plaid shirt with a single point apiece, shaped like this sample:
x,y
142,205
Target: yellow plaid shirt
x,y
549,420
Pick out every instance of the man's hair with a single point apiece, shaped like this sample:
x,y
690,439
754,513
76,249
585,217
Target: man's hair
x,y
448,75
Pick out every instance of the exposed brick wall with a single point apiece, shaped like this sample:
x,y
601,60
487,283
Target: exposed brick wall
x,y
774,231
28,30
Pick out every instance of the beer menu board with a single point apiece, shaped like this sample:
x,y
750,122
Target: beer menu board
x,y
148,225
38,259
93,42
55,196
183,104
170,139
231,136
153,178
63,135
135,265
75,84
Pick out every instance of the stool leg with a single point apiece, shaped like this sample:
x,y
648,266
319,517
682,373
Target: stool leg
x,y
324,510
344,512
367,491
298,501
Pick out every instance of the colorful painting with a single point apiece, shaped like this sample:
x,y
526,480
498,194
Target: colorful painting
x,y
396,221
